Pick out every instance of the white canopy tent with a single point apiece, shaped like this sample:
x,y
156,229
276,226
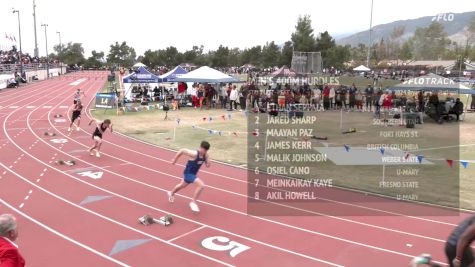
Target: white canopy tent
x,y
206,75
138,65
361,68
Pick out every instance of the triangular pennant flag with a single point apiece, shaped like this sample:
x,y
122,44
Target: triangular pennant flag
x,y
407,156
204,118
450,162
420,158
382,151
210,131
234,133
464,163
178,121
229,116
223,117
347,148
210,118
246,113
220,133
255,133
193,126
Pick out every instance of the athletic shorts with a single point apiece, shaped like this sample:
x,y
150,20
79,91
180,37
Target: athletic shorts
x,y
189,178
75,101
97,138
76,115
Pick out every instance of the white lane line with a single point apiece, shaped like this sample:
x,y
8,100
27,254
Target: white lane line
x,y
27,197
21,205
187,233
63,236
117,222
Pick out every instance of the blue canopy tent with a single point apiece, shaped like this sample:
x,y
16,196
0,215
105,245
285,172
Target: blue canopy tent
x,y
173,74
140,76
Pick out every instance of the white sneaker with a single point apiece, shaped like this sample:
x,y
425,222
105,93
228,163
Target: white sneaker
x,y
171,198
194,207
69,129
78,129
91,152
98,154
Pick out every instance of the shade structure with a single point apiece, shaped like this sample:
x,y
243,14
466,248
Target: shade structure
x,y
138,65
284,71
206,75
141,75
170,76
361,68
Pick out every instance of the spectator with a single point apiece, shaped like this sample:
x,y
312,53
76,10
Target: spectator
x,y
233,97
9,254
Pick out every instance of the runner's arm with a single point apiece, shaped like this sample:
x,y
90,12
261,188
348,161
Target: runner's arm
x,y
464,241
181,152
207,161
111,128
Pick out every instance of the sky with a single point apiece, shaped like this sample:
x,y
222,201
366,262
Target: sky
x,y
154,24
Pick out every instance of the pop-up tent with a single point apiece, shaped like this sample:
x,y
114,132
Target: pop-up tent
x,y
140,76
361,68
138,65
206,75
432,82
170,76
284,71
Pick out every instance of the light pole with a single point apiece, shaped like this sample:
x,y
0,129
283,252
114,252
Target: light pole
x,y
19,38
59,53
37,54
370,30
47,57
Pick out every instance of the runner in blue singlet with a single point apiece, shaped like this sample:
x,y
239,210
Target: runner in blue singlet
x,y
198,158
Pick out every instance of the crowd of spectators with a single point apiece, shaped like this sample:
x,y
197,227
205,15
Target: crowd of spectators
x,y
12,56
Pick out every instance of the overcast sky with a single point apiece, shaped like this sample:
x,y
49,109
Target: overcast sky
x,y
157,24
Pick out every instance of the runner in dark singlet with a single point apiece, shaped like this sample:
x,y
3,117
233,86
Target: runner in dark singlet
x,y
76,115
198,158
101,127
457,247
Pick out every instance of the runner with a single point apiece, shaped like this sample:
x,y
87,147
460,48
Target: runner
x,y
76,115
78,95
458,246
198,157
101,127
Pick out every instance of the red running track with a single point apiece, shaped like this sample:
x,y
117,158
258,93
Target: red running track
x,y
68,218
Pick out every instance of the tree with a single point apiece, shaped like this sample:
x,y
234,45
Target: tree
x,y
96,60
219,57
337,56
251,55
70,54
406,50
430,43
303,39
121,54
286,55
270,55
394,43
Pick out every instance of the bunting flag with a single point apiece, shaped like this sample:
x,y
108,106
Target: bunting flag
x,y
220,133
464,163
210,118
450,162
229,116
193,126
407,156
255,133
420,158
178,121
204,118
246,113
210,131
234,133
347,148
223,117
382,151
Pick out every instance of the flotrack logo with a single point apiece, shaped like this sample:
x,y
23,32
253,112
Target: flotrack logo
x,y
444,17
